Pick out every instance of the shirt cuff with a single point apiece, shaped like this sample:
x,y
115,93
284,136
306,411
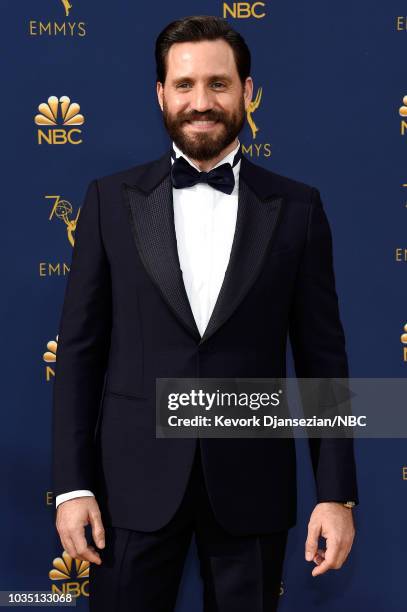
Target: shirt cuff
x,y
71,495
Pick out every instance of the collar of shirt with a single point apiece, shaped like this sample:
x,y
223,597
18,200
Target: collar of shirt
x,y
228,158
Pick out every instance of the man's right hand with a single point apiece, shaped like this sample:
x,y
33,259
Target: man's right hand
x,y
72,517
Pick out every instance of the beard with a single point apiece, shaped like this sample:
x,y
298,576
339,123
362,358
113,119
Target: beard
x,y
201,146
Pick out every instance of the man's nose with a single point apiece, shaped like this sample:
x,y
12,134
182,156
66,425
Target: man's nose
x,y
201,99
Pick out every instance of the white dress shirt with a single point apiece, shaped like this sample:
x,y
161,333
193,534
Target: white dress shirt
x,y
205,221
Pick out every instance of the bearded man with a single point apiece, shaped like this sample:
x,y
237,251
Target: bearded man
x,y
199,263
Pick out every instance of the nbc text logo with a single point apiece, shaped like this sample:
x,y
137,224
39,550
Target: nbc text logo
x,y
244,10
63,112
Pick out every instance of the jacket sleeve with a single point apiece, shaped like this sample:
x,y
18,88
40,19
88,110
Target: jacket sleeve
x,y
82,353
318,345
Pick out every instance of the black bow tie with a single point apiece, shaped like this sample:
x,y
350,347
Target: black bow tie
x,y
221,177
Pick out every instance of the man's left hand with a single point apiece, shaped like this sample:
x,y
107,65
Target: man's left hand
x,y
334,522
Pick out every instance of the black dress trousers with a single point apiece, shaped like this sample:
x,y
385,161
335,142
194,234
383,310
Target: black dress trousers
x,y
141,571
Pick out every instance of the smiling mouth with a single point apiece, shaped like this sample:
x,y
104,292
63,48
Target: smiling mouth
x,y
202,123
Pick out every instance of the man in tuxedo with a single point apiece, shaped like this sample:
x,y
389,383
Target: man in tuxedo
x,y
197,264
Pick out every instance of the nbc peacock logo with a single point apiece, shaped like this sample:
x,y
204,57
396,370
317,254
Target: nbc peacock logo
x,y
50,357
403,115
403,340
59,112
69,577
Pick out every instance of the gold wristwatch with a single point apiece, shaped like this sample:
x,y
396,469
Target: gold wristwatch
x,y
349,504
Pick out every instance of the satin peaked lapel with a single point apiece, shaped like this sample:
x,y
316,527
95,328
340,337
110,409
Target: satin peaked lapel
x,y
150,209
152,223
255,225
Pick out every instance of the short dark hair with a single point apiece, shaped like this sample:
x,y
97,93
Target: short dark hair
x,y
196,28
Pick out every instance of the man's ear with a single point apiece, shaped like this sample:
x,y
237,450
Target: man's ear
x,y
160,93
248,91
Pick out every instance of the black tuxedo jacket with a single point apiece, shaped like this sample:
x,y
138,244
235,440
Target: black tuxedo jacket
x,y
126,320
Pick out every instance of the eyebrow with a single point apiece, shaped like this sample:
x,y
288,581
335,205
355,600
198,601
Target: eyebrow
x,y
213,77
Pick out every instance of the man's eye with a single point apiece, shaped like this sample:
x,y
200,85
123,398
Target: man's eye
x,y
218,85
183,85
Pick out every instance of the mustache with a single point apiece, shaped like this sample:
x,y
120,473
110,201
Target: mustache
x,y
210,115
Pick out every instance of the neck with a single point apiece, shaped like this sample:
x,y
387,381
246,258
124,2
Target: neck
x,y
206,165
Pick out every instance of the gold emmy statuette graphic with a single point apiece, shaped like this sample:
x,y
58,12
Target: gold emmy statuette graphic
x,y
73,582
50,356
253,106
403,109
67,6
49,112
62,209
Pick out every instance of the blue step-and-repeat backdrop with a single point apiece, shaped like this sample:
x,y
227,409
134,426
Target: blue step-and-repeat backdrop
x,y
331,90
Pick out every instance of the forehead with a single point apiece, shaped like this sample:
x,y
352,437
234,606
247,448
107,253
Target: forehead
x,y
201,59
